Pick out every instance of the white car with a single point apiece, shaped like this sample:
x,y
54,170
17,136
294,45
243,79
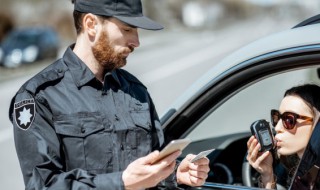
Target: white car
x,y
217,111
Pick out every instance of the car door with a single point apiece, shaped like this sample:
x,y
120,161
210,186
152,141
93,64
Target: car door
x,y
242,88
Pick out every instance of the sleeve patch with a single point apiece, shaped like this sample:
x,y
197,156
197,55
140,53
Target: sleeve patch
x,y
24,113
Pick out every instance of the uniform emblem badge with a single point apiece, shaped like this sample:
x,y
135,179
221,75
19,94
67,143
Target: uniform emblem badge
x,y
24,113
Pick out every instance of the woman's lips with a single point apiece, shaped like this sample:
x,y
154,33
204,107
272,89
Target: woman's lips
x,y
277,142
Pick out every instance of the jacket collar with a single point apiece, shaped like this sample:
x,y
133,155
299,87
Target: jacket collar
x,y
80,72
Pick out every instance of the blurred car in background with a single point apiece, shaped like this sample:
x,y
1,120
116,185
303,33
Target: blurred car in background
x,y
28,45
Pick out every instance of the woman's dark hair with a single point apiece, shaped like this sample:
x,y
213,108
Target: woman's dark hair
x,y
310,93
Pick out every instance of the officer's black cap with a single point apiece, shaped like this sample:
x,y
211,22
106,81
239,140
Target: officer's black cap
x,y
128,11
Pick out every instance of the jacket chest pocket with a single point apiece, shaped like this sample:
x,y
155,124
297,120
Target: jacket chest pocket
x,y
140,115
86,142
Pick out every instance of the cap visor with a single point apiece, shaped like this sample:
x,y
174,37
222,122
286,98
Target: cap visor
x,y
140,22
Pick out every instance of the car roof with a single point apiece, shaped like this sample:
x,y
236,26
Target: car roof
x,y
296,37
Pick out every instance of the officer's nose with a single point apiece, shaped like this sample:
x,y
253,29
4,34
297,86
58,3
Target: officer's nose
x,y
134,39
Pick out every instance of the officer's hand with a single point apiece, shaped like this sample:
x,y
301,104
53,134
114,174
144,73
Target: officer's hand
x,y
141,174
193,174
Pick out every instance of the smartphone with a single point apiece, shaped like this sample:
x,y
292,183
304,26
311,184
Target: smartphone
x,y
202,155
173,146
262,131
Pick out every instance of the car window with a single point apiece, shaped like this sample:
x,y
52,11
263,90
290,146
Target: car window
x,y
250,104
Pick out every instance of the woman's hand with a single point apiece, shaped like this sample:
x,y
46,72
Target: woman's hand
x,y
260,161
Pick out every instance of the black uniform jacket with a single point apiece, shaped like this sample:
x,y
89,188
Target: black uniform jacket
x,y
73,132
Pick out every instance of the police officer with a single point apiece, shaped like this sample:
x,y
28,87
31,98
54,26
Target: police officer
x,y
84,123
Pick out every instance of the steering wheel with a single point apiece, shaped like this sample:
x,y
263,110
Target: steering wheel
x,y
250,175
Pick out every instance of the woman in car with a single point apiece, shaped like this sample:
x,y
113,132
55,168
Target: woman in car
x,y
294,122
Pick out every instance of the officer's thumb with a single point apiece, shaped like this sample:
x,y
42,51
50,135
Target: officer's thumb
x,y
152,157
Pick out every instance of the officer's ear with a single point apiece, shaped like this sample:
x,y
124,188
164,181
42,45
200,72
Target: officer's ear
x,y
90,23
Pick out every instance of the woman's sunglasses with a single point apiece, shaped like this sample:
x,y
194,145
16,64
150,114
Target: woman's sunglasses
x,y
289,119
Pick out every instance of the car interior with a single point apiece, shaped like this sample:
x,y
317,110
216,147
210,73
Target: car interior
x,y
220,115
228,164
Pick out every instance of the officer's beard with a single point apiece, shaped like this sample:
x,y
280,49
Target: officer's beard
x,y
106,56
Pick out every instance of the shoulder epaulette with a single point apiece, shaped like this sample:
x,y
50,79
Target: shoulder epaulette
x,y
51,73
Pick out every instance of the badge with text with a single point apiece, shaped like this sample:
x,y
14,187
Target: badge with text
x,y
24,113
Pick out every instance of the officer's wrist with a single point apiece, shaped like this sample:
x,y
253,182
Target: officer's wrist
x,y
126,182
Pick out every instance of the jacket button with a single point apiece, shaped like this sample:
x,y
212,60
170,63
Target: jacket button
x,y
83,130
121,147
117,118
